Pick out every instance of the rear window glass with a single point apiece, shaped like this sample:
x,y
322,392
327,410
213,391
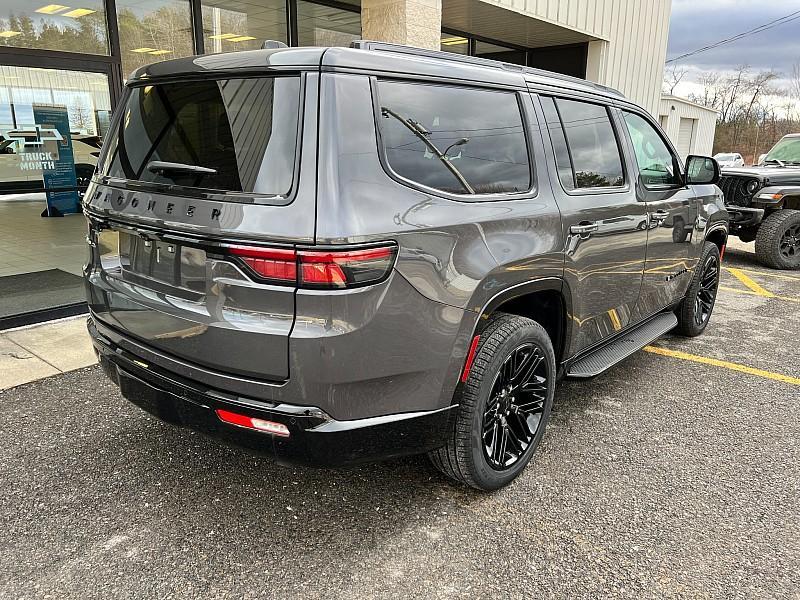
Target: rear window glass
x,y
458,140
233,135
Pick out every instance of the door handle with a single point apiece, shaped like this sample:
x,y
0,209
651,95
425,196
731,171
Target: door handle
x,y
583,228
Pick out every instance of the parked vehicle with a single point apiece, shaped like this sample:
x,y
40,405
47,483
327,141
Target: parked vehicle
x,y
764,203
21,157
339,255
729,159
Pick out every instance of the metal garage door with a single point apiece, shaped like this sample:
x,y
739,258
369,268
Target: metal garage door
x,y
685,135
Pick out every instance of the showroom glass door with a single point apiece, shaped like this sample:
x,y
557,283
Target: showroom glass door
x,y
52,124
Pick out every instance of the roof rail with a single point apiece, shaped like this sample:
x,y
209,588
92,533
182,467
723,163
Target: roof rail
x,y
477,60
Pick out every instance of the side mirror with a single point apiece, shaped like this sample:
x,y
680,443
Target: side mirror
x,y
701,170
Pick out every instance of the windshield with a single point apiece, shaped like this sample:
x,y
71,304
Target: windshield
x,y
725,156
787,150
233,135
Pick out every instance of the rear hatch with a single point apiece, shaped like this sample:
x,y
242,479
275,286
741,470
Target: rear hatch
x,y
197,175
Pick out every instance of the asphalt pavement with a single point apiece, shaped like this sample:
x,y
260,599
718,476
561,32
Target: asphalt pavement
x,y
675,474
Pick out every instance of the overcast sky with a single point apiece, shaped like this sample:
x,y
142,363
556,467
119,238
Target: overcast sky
x,y
696,23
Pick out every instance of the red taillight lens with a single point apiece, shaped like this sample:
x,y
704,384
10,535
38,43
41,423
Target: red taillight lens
x,y
272,427
277,264
343,269
329,269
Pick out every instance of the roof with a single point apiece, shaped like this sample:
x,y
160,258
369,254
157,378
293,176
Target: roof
x,y
671,98
373,57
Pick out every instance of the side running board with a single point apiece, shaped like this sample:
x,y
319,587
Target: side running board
x,y
610,354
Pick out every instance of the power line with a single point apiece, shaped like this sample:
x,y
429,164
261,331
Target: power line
x,y
780,21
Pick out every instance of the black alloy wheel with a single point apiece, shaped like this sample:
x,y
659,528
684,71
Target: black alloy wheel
x,y
789,246
707,292
503,406
695,309
515,406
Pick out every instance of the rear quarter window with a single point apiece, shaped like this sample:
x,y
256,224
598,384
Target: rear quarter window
x,y
463,141
241,133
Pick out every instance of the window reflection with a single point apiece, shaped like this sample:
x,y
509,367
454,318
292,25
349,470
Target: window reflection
x,y
41,25
232,25
459,140
592,144
319,25
153,30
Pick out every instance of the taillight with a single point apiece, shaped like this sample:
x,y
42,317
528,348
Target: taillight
x,y
319,269
276,264
343,269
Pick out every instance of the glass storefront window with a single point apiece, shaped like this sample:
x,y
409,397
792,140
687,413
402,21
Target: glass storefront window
x,y
503,53
230,25
319,25
153,30
455,44
51,128
38,24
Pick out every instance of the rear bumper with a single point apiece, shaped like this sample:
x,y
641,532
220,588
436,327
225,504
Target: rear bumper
x,y
315,439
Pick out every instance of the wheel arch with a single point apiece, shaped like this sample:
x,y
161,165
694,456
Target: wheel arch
x,y
792,201
546,301
718,235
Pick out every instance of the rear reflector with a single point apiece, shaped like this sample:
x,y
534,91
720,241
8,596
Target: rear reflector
x,y
328,269
473,347
253,423
721,252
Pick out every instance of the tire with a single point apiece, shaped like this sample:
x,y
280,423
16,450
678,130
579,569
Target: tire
x,y
778,240
487,414
695,309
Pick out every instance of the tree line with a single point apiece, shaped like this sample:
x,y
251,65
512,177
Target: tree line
x,y
755,108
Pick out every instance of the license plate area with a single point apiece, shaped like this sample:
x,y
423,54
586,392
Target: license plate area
x,y
167,263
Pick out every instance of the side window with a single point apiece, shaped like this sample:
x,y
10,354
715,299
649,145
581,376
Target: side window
x,y
592,147
656,162
458,140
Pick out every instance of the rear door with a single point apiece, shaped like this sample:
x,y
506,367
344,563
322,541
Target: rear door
x,y
605,227
672,207
197,177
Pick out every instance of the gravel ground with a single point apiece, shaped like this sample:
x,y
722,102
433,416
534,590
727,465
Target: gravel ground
x,y
659,478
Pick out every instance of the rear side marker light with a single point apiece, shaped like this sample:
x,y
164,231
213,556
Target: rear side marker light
x,y
473,347
254,423
722,252
318,269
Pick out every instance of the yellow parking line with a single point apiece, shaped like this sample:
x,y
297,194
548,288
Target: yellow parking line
x,y
615,322
738,291
723,363
775,275
750,283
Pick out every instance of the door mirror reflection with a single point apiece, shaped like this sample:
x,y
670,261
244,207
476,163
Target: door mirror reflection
x,y
701,170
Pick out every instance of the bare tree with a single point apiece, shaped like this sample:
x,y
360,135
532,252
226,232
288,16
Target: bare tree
x,y
794,80
673,75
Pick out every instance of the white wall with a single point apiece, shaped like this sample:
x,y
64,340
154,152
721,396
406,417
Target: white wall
x,y
630,36
705,126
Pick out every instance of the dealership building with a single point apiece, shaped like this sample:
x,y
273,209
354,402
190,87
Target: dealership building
x,y
63,67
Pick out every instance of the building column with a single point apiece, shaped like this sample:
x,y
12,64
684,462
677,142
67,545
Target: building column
x,y
408,22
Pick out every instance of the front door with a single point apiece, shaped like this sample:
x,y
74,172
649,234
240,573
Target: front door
x,y
604,226
673,208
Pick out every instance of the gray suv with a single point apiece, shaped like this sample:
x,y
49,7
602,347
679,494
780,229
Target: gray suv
x,y
344,254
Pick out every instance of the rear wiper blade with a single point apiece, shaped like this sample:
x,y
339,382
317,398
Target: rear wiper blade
x,y
160,166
